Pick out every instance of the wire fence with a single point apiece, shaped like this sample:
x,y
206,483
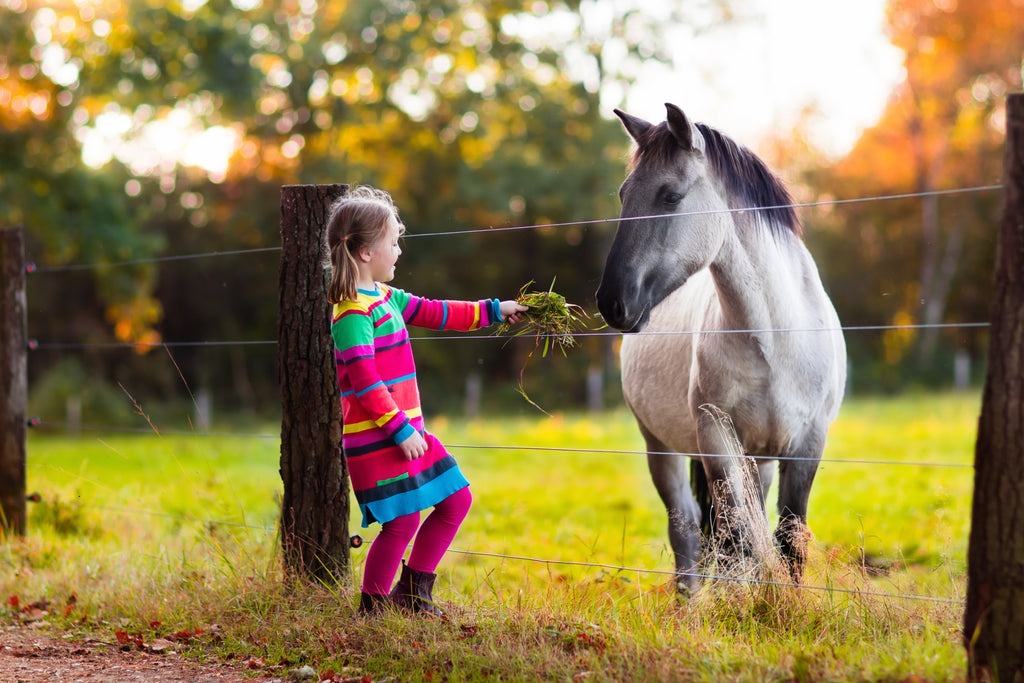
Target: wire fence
x,y
473,231
619,569
118,510
500,447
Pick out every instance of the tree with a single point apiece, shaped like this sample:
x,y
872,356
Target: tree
x,y
941,130
993,626
69,211
951,47
13,382
314,511
461,110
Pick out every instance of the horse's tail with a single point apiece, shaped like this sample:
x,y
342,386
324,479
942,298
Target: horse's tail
x,y
702,493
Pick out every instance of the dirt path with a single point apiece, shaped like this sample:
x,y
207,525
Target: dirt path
x,y
32,656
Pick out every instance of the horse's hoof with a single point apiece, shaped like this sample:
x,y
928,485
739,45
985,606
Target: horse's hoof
x,y
686,589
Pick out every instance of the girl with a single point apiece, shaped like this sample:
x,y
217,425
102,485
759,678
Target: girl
x,y
397,467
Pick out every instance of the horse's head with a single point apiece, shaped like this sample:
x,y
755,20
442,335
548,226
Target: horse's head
x,y
671,224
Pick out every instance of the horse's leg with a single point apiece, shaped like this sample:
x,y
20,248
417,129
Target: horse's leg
x,y
733,480
766,473
796,474
671,479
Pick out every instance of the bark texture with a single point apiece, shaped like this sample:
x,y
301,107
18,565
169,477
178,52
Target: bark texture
x,y
315,506
13,381
994,619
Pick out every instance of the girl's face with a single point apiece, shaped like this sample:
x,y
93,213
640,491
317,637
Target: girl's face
x,y
383,255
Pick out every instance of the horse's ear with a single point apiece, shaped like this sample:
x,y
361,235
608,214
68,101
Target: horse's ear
x,y
636,127
685,133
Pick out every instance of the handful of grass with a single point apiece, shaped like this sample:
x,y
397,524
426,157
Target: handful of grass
x,y
549,316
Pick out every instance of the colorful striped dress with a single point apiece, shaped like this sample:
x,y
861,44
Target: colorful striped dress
x,y
380,400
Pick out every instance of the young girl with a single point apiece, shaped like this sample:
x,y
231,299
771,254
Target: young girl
x,y
397,467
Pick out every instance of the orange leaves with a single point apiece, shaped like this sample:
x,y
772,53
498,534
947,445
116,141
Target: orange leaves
x,y
134,320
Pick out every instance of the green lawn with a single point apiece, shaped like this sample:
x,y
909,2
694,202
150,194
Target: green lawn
x,y
124,516
580,504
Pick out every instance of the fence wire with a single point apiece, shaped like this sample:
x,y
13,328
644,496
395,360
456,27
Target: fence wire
x,y
43,346
605,567
52,424
474,231
209,523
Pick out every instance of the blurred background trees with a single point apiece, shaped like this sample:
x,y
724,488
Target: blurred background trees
x,y
924,261
140,130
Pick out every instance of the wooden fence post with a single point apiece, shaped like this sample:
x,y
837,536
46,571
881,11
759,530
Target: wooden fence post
x,y
13,380
315,508
994,618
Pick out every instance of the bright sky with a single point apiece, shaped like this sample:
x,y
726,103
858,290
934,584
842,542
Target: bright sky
x,y
746,81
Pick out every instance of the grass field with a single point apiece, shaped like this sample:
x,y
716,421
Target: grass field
x,y
180,529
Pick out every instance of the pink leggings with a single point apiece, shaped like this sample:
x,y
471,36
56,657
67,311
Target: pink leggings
x,y
432,541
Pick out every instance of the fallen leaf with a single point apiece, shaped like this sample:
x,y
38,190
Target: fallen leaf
x,y
32,614
255,663
159,646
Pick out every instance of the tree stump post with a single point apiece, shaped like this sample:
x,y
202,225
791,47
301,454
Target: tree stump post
x,y
315,507
994,618
13,381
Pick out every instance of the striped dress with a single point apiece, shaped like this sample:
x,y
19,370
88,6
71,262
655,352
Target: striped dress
x,y
380,400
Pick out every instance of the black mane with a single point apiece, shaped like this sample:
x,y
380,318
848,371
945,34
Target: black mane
x,y
749,181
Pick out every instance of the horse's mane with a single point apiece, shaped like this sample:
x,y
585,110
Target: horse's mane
x,y
749,181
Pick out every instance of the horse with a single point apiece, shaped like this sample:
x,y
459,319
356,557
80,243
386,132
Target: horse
x,y
708,264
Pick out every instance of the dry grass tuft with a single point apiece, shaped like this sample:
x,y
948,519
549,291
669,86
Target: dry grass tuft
x,y
550,317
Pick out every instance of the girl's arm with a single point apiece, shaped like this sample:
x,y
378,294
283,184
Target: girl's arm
x,y
462,316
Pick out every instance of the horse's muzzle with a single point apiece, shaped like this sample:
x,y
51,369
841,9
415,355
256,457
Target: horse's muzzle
x,y
618,314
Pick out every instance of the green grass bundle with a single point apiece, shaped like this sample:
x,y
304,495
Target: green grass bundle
x,y
549,316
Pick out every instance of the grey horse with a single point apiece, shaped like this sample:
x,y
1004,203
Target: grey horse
x,y
709,267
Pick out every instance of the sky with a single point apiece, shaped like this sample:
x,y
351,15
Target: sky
x,y
751,79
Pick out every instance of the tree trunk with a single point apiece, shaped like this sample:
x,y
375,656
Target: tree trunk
x,y
13,381
314,510
994,619
937,269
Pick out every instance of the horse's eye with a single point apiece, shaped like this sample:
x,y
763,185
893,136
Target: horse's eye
x,y
673,198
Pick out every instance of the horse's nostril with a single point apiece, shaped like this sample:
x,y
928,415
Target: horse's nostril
x,y
611,308
618,310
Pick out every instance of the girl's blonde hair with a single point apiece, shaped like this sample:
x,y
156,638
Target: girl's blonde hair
x,y
358,219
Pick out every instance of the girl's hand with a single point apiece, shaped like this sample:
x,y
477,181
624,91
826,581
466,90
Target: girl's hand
x,y
414,447
512,311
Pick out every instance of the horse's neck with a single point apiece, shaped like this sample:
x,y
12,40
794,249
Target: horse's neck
x,y
758,278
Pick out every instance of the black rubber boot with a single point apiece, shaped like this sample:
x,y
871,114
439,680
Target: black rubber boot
x,y
401,594
371,604
414,592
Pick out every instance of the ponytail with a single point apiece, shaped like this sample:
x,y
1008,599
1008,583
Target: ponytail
x,y
344,274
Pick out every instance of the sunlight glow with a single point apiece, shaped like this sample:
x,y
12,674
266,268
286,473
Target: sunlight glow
x,y
156,146
827,57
